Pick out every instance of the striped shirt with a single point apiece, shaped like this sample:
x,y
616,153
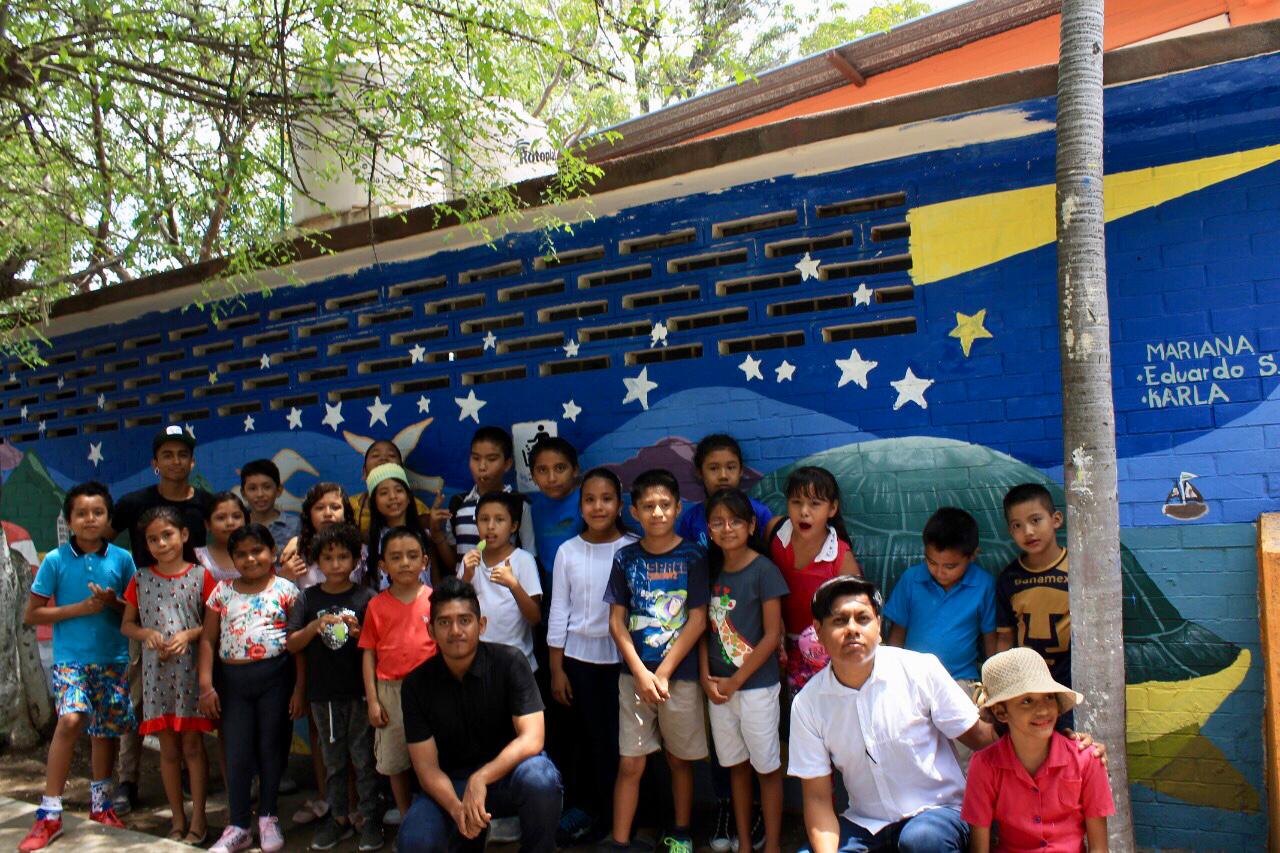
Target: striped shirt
x,y
465,535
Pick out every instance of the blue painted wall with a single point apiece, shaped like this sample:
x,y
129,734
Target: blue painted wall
x,y
1188,276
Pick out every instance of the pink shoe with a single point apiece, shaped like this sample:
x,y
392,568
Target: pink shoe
x,y
270,838
232,840
41,835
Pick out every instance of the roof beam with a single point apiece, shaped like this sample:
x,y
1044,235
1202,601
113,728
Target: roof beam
x,y
846,68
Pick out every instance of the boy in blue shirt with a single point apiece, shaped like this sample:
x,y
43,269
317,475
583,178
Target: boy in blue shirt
x,y
87,578
658,592
557,518
946,606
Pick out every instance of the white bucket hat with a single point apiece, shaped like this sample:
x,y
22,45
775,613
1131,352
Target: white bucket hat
x,y
1018,671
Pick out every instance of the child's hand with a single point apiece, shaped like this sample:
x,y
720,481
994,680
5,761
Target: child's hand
x,y
179,645
292,566
560,688
153,640
297,705
648,690
1084,741
438,515
330,619
503,575
471,560
378,715
711,686
726,687
209,704
104,594
664,689
353,625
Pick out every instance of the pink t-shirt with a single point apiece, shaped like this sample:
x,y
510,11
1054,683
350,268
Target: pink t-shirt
x,y
398,633
253,626
1044,813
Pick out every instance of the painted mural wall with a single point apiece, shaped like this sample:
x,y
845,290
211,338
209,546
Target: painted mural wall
x,y
893,322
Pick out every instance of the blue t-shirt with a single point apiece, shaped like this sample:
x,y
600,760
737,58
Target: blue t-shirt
x,y
692,524
65,575
945,622
658,591
555,522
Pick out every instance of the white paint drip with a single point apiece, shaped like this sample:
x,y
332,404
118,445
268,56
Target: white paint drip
x,y
1081,461
1069,207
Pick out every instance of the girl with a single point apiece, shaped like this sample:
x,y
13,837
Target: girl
x,y
164,612
1034,783
256,694
584,658
810,546
326,504
380,452
717,460
392,505
737,660
505,577
223,515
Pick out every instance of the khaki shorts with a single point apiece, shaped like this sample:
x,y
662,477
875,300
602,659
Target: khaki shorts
x,y
390,753
676,724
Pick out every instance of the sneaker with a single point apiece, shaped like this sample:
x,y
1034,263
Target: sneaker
x,y
42,834
270,838
330,834
506,830
720,841
676,842
232,840
757,830
392,817
126,797
575,826
107,817
310,811
371,837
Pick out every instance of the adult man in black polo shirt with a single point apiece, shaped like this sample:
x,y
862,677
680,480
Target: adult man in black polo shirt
x,y
473,722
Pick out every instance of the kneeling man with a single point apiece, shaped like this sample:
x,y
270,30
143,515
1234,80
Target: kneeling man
x,y
473,722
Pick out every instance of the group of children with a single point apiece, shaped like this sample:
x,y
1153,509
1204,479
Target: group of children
x,y
632,632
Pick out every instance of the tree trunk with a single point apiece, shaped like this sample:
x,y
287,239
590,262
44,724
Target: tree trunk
x,y
1088,412
25,709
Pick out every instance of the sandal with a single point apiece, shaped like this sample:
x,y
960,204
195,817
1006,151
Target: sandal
x,y
176,834
196,840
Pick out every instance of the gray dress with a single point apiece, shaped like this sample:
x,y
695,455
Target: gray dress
x,y
170,688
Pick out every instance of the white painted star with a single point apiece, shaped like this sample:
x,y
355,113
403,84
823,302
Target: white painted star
x,y
854,369
469,406
862,296
213,377
638,388
416,353
750,368
13,377
61,382
23,412
910,389
42,427
248,423
95,453
808,267
490,340
571,411
378,411
785,371
102,401
333,415
264,362
191,431
424,405
658,335
295,418
571,349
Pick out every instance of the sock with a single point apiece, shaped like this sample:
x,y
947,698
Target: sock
x,y
50,807
100,795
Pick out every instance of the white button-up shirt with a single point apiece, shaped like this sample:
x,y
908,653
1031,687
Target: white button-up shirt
x,y
579,617
888,739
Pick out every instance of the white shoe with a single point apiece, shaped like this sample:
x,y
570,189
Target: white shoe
x,y
504,830
392,817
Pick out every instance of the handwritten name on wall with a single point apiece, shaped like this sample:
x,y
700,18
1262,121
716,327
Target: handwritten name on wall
x,y
1193,372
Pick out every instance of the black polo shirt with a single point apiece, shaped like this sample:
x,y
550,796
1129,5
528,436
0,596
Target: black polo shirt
x,y
470,718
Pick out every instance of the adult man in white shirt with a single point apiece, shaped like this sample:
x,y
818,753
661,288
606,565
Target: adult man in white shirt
x,y
883,717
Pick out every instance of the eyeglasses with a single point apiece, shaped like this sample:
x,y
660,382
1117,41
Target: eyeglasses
x,y
730,524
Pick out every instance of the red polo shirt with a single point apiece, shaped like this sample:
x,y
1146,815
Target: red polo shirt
x,y
1041,813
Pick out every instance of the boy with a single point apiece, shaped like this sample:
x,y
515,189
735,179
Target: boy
x,y
946,604
261,487
1031,592
558,518
327,624
454,530
395,640
658,592
87,576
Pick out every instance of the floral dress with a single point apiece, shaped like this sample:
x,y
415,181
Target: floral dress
x,y
253,625
170,688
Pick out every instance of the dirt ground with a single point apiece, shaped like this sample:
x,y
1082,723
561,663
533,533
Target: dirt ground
x,y
22,778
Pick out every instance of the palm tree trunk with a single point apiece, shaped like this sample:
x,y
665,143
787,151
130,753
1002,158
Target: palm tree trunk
x,y
1088,411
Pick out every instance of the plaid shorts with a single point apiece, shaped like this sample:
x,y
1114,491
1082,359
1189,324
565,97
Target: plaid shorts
x,y
100,690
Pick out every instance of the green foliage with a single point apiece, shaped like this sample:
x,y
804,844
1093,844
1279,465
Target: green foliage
x,y
839,29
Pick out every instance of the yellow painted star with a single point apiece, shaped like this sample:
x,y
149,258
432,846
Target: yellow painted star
x,y
969,328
